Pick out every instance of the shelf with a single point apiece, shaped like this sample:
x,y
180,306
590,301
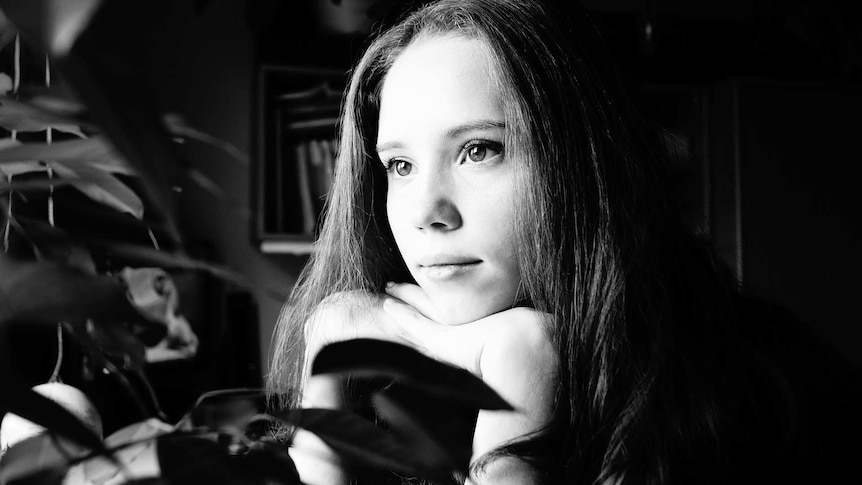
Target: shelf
x,y
281,246
297,115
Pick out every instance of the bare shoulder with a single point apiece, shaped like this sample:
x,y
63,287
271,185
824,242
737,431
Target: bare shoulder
x,y
346,303
339,317
520,341
520,362
349,315
345,306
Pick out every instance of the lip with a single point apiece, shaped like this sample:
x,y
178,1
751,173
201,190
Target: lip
x,y
444,268
447,260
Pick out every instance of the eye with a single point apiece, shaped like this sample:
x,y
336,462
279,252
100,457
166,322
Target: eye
x,y
401,167
478,151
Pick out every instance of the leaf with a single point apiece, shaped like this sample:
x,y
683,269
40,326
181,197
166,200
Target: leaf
x,y
102,187
57,100
361,442
39,460
28,185
268,464
146,256
134,448
185,458
177,126
195,458
55,24
106,343
22,116
101,69
443,434
54,244
378,358
49,414
227,409
15,166
95,152
47,292
8,32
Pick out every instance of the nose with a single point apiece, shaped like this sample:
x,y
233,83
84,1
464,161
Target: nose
x,y
434,205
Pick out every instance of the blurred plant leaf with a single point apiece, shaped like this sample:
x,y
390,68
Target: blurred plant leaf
x,y
204,458
178,127
32,406
95,152
55,24
103,344
146,256
24,116
378,358
47,292
54,244
443,433
16,166
95,46
28,185
7,31
42,459
57,100
134,448
102,187
363,443
186,458
228,201
230,409
268,465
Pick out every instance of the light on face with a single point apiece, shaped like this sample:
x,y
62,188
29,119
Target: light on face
x,y
450,184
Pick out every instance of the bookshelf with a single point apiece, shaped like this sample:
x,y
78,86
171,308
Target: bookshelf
x,y
297,109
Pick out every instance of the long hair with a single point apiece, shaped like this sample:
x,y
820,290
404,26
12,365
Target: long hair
x,y
642,320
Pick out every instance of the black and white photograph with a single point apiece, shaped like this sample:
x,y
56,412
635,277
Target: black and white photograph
x,y
430,242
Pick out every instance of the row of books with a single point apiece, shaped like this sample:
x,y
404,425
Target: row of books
x,y
315,162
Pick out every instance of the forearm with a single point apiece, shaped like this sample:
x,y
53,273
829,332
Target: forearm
x,y
522,368
315,461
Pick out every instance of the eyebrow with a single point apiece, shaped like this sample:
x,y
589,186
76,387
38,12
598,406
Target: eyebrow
x,y
451,133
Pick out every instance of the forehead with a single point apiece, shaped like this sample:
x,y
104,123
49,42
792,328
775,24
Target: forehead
x,y
441,76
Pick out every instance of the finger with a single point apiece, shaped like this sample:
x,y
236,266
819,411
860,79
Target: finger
x,y
414,296
432,338
413,325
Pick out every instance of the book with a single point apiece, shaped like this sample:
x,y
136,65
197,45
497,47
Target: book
x,y
309,218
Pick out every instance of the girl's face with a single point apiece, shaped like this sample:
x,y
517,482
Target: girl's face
x,y
450,198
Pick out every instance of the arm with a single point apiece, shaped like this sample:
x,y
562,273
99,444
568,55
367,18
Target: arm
x,y
519,362
340,317
316,463
511,352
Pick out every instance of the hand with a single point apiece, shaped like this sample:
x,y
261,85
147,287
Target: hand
x,y
350,315
343,316
480,346
509,350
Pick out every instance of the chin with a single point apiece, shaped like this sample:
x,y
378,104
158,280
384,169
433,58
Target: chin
x,y
458,311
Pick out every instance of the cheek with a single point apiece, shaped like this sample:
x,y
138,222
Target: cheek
x,y
396,215
493,210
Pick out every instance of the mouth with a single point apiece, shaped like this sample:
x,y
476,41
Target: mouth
x,y
448,268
